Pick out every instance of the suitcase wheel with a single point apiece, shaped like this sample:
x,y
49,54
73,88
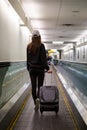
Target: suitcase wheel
x,y
56,112
41,112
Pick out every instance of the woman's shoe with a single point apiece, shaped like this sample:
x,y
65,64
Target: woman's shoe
x,y
36,104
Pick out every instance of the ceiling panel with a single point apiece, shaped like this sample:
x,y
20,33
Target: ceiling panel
x,y
57,20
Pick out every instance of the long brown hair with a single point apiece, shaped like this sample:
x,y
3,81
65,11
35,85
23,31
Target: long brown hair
x,y
36,42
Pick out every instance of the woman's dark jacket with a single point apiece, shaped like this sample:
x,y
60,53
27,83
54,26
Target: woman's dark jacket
x,y
37,60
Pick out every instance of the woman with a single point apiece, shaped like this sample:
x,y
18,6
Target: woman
x,y
36,64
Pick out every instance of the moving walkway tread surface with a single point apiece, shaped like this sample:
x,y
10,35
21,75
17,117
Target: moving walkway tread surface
x,y
31,120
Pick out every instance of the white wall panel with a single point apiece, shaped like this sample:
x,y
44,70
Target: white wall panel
x,y
86,53
13,37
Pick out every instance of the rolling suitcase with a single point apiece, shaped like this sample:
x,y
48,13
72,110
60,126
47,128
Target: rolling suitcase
x,y
49,98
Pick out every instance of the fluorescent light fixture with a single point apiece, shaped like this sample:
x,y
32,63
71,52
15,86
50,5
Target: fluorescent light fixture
x,y
67,47
57,42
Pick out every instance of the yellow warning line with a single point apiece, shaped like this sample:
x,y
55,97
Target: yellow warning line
x,y
72,116
18,113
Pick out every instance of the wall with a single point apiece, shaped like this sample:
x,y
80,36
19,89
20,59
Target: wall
x,y
13,42
13,37
81,53
80,56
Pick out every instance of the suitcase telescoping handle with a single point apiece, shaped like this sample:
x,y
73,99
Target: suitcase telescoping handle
x,y
49,72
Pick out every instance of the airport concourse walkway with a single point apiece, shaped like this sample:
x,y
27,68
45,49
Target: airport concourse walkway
x,y
65,120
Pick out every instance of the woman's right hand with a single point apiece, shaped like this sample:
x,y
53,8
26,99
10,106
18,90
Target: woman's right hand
x,y
49,71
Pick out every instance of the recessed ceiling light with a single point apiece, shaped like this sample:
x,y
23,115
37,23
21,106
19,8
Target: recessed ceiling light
x,y
75,11
57,42
67,24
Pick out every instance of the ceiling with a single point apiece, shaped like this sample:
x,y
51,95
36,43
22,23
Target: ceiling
x,y
57,20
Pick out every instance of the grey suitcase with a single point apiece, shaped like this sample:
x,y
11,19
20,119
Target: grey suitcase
x,y
49,98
